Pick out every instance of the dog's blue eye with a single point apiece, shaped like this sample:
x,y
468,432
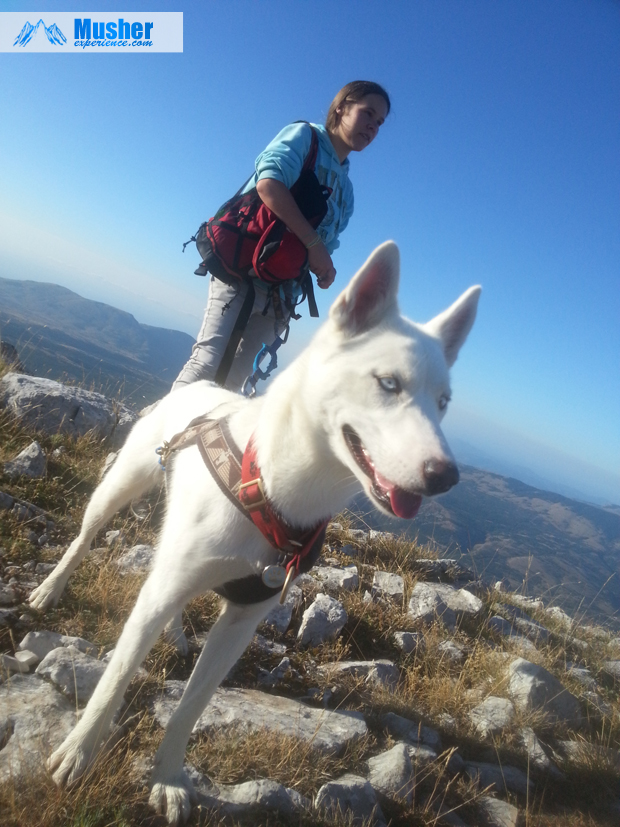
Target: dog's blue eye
x,y
443,402
389,383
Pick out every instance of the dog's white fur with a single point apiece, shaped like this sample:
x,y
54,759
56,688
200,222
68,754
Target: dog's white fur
x,y
367,368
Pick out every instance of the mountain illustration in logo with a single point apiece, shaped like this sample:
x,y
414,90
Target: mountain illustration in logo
x,y
29,32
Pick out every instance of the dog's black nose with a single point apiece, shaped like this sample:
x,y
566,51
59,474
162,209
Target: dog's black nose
x,y
440,476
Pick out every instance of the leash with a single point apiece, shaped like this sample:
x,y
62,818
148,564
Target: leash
x,y
239,478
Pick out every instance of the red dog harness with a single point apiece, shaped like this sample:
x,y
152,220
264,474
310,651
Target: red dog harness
x,y
239,478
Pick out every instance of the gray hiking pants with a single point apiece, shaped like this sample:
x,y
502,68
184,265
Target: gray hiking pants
x,y
222,310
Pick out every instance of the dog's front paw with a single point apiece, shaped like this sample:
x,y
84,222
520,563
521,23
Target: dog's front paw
x,y
47,595
69,762
173,799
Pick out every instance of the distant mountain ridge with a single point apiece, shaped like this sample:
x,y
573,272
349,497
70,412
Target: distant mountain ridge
x,y
63,336
561,548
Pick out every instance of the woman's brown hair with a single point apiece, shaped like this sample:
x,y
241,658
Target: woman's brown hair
x,y
352,93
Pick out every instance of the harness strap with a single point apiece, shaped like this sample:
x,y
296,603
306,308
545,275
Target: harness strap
x,y
238,477
235,337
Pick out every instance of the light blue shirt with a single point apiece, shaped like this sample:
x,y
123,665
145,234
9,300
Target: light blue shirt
x,y
283,159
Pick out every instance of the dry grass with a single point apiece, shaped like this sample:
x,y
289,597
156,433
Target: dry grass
x,y
98,601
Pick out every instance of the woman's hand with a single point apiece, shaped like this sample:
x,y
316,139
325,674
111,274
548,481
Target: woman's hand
x,y
321,264
280,201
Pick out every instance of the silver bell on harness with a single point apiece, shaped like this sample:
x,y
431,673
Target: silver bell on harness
x,y
249,386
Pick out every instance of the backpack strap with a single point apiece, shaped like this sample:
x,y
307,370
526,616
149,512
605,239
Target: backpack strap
x,y
237,332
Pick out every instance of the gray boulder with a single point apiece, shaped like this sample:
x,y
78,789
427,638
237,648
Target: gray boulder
x,y
42,643
377,672
352,796
411,731
497,813
49,406
31,462
34,720
460,601
534,688
537,757
492,715
281,615
391,773
261,795
324,619
500,779
451,651
611,668
426,605
409,641
388,585
75,674
251,709
137,559
335,578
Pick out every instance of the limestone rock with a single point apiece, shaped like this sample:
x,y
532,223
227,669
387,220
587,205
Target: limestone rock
x,y
49,406
500,779
388,585
537,757
335,578
251,709
492,715
427,606
353,796
451,651
409,641
8,595
612,669
533,687
391,773
30,462
377,672
421,755
560,617
324,619
497,813
260,795
526,603
137,559
532,630
586,754
42,643
34,720
75,674
460,601
442,569
500,626
411,731
281,614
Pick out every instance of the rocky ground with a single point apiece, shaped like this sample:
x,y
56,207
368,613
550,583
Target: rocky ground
x,y
393,687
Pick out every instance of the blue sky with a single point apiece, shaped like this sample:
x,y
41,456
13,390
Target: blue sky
x,y
499,165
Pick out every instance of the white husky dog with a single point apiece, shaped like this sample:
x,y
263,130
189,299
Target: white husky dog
x,y
359,409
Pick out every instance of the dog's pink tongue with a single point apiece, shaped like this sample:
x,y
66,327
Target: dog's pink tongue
x,y
404,503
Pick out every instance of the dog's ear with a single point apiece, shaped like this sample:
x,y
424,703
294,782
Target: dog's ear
x,y
371,292
453,325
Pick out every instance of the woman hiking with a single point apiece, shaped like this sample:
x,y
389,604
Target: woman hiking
x,y
243,313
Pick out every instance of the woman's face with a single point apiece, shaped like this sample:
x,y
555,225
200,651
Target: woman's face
x,y
360,121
